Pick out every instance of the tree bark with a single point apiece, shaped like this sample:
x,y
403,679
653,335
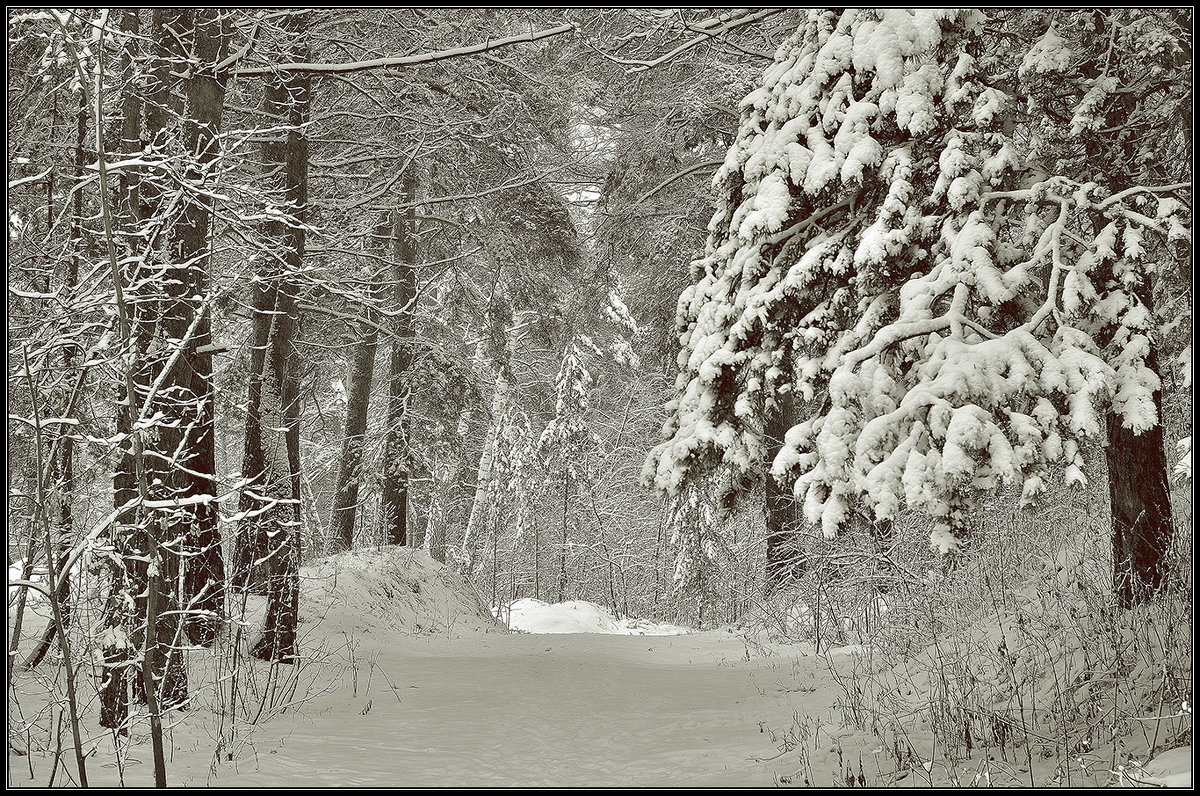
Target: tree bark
x,y
185,104
362,370
477,519
118,621
62,466
173,371
268,545
203,564
394,492
1142,525
345,492
562,550
783,513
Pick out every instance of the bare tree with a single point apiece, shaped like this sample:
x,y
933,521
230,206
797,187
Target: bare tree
x,y
268,543
394,494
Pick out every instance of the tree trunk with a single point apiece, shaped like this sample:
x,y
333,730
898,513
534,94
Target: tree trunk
x,y
483,476
421,530
171,378
393,508
118,621
62,466
362,371
562,552
537,563
268,549
1141,505
1142,524
203,565
784,518
185,105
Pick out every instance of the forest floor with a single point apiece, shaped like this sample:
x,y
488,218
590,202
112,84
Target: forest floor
x,y
407,682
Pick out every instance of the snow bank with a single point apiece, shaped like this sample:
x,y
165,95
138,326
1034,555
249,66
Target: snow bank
x,y
393,588
1171,769
577,616
16,568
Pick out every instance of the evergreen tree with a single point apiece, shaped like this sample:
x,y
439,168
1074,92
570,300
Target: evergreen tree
x,y
886,250
567,444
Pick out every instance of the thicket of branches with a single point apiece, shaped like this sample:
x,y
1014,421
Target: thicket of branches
x,y
284,283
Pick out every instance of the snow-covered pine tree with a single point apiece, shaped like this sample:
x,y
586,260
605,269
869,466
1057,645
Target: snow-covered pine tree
x,y
567,440
1113,93
511,488
884,249
702,556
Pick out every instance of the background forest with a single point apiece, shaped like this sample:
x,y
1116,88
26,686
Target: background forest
x,y
284,284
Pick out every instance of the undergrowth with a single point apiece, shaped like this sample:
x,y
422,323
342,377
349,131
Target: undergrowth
x,y
1012,667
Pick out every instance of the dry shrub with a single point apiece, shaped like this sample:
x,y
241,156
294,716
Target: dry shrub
x,y
1016,667
1009,665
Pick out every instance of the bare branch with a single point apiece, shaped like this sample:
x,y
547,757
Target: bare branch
x,y
405,60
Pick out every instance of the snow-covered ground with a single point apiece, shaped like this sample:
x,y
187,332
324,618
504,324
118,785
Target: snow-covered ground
x,y
407,681
523,710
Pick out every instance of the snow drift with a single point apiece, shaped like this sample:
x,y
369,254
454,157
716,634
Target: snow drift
x,y
393,588
577,616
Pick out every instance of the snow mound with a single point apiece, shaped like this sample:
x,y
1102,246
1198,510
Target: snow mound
x,y
1171,769
38,576
578,616
15,570
388,588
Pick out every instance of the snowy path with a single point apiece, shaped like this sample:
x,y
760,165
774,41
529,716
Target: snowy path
x,y
473,705
538,710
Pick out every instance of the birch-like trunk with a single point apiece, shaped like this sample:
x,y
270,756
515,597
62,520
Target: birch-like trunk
x,y
483,477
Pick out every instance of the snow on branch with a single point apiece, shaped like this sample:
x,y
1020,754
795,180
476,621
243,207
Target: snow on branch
x,y
882,242
711,29
404,60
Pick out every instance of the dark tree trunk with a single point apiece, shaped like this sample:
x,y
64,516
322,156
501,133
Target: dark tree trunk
x,y
1142,523
268,545
204,566
562,553
362,371
264,453
268,555
160,307
119,621
1141,506
784,517
183,112
394,492
345,493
